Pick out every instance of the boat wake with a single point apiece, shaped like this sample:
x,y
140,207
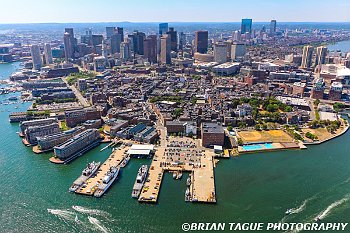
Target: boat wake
x,y
62,213
328,210
85,210
98,224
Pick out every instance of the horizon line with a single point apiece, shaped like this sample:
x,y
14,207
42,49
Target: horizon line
x,y
155,22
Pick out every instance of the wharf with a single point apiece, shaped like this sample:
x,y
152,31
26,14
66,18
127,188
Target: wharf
x,y
114,160
202,182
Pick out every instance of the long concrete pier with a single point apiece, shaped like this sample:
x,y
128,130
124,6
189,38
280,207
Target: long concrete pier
x,y
114,159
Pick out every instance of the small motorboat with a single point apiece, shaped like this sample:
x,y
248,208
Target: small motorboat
x,y
317,219
289,211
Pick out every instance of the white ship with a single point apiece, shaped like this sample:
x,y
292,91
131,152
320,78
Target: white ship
x,y
140,180
86,174
107,180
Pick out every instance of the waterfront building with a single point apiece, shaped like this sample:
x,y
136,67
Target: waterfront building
x,y
238,51
246,26
220,53
150,48
306,61
79,144
212,134
165,49
32,132
78,116
163,28
36,57
48,142
173,38
25,124
48,54
273,25
321,53
201,42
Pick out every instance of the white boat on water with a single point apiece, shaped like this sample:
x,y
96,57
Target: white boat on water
x,y
107,181
140,180
85,174
289,211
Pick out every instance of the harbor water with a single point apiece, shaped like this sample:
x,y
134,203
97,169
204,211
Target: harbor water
x,y
34,194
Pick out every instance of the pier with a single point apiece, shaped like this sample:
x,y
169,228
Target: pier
x,y
198,161
114,159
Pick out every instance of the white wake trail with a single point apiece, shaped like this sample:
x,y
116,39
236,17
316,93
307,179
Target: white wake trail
x,y
98,224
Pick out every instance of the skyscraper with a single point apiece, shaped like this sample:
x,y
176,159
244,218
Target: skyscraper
x,y
220,52
110,31
238,50
115,42
182,40
165,49
273,25
246,26
125,52
120,31
201,42
36,57
150,48
321,53
173,38
48,54
69,43
137,39
163,28
306,60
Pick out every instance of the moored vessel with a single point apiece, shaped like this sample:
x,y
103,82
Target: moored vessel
x,y
140,180
86,174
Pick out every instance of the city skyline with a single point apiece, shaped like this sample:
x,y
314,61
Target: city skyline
x,y
156,11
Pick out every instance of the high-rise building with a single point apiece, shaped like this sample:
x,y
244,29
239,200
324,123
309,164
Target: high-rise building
x,y
236,36
115,42
306,60
121,32
182,40
69,43
273,26
173,38
150,48
110,31
246,26
125,51
220,52
48,54
238,50
321,53
137,39
68,47
163,28
201,42
36,57
165,49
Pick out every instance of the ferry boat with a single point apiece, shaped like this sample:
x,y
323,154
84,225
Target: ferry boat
x,y
107,180
125,161
140,180
86,174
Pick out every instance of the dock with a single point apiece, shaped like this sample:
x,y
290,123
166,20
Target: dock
x,y
202,186
114,160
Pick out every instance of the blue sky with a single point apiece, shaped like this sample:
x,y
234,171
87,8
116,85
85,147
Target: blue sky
x,y
64,11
